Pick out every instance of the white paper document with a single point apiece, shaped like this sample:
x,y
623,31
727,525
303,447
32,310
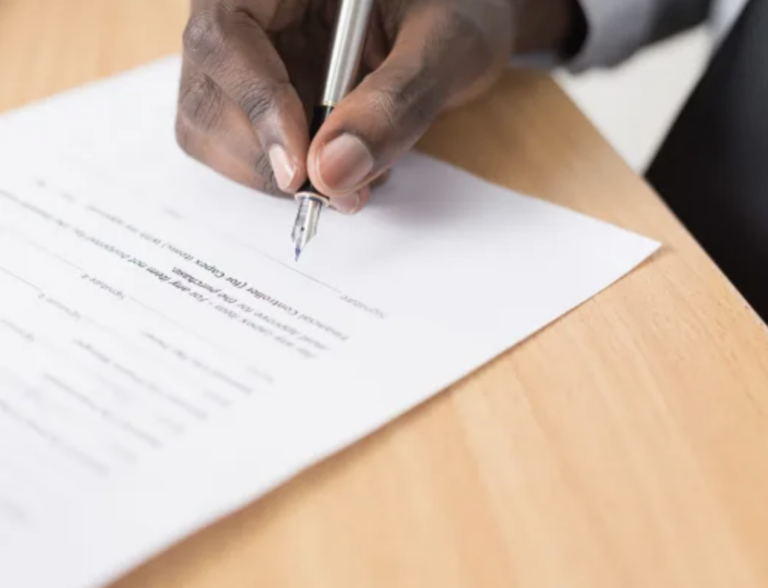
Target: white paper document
x,y
164,359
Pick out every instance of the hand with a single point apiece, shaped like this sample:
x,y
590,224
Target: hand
x,y
253,69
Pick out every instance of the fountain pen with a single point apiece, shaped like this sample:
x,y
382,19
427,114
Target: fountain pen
x,y
348,42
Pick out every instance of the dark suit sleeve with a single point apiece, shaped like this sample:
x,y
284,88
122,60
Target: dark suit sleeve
x,y
616,29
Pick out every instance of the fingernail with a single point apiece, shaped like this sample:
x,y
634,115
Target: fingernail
x,y
348,204
344,163
282,167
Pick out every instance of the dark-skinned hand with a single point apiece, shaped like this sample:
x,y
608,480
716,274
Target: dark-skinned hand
x,y
253,70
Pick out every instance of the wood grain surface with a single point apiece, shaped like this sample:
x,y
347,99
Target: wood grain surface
x,y
624,446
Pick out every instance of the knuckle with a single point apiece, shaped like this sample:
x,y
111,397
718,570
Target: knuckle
x,y
259,99
204,35
412,101
264,172
385,102
422,100
200,102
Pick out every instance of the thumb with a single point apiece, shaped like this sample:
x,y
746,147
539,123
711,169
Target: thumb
x,y
438,54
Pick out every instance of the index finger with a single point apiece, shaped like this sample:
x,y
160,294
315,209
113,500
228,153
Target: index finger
x,y
227,44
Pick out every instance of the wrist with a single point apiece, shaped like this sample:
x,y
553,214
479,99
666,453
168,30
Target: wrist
x,y
557,26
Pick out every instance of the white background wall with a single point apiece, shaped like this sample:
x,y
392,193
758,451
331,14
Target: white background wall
x,y
634,105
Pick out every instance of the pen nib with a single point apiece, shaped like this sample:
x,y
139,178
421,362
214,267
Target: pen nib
x,y
305,226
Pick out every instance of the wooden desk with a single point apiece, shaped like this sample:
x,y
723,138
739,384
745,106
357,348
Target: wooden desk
x,y
625,446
